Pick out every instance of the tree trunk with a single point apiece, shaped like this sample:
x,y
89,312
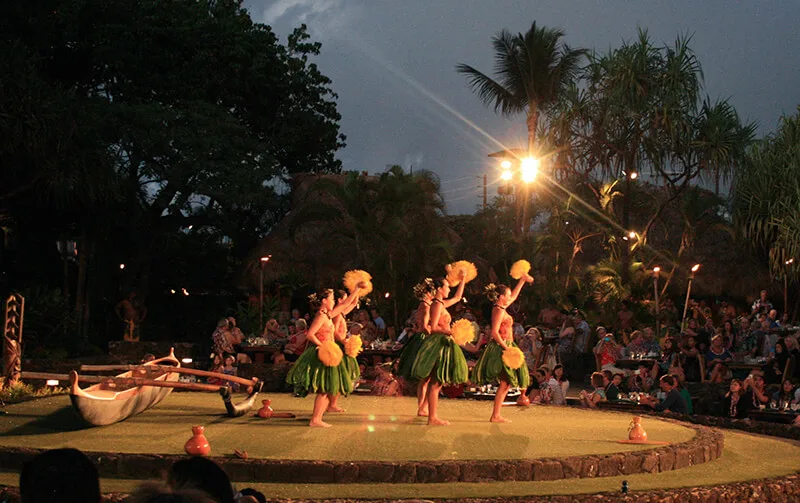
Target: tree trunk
x,y
80,289
12,339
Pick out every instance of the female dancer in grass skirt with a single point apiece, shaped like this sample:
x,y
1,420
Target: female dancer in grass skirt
x,y
490,365
424,291
349,365
439,360
308,372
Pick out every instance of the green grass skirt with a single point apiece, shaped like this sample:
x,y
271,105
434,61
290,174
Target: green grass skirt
x,y
310,375
350,364
490,366
408,355
441,359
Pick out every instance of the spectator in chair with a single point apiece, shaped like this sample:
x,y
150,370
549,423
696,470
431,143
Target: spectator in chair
x,y
733,405
608,353
59,475
674,402
784,397
755,394
597,395
717,359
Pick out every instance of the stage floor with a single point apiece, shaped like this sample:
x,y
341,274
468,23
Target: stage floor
x,y
372,428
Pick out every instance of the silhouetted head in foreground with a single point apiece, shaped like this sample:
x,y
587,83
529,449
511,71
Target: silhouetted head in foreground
x,y
63,475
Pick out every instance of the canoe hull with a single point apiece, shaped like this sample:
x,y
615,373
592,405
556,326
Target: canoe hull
x,y
100,406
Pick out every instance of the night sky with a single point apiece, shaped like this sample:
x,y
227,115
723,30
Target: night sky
x,y
402,102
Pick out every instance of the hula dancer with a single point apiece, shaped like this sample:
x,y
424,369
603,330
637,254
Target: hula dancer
x,y
502,359
424,291
439,360
349,365
318,369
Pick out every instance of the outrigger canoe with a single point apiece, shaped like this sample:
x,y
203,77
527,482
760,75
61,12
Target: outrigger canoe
x,y
114,399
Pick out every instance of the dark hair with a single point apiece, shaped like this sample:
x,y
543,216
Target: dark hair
x,y
424,287
155,493
493,292
559,366
249,491
62,475
668,379
597,380
315,299
439,282
202,474
341,293
609,375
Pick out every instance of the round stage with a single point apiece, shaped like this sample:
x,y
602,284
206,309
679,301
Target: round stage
x,y
378,448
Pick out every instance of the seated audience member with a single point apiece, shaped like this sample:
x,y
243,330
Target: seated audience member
x,y
297,342
637,345
201,474
776,365
784,397
746,343
680,381
608,353
667,359
674,402
272,333
755,390
597,395
257,496
717,358
154,493
538,391
690,359
566,338
559,385
613,389
640,380
650,342
734,405
224,367
59,475
221,339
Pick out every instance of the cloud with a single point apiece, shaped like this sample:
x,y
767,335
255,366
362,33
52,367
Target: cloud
x,y
413,160
322,16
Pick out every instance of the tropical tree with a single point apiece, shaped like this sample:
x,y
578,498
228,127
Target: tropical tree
x,y
766,196
532,71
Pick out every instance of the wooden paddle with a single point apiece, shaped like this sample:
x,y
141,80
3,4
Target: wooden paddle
x,y
169,368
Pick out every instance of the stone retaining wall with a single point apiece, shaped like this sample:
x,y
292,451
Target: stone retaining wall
x,y
706,445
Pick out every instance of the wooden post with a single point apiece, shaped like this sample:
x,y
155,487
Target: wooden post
x,y
12,339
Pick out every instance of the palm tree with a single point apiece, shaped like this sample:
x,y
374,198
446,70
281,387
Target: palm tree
x,y
532,70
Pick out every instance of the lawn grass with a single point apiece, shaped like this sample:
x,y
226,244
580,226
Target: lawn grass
x,y
373,428
745,457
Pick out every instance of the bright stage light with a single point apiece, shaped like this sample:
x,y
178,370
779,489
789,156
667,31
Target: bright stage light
x,y
530,168
506,164
52,382
122,266
696,267
506,175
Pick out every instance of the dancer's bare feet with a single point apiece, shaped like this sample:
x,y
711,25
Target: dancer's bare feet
x,y
319,424
499,419
332,408
422,412
435,421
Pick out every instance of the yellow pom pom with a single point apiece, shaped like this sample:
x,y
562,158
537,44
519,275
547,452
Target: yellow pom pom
x,y
462,331
353,278
513,357
519,269
353,345
329,353
454,272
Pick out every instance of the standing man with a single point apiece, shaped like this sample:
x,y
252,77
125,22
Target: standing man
x,y
132,313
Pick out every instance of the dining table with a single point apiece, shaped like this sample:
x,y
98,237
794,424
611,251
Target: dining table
x,y
774,415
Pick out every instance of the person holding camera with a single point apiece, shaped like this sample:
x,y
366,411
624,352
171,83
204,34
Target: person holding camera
x,y
608,353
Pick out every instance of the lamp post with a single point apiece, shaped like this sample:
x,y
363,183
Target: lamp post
x,y
264,261
519,164
656,271
688,293
788,264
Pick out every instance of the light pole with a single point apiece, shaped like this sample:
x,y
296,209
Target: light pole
x,y
788,264
518,164
656,271
688,292
264,261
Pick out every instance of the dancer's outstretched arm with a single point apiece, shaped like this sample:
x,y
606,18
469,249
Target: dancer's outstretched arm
x,y
336,311
459,292
515,292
